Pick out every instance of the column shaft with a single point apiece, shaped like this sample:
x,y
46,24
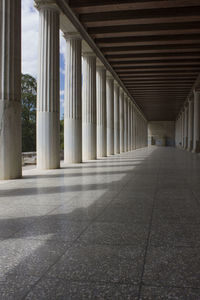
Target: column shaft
x,y
10,89
186,128
125,124
129,125
73,101
116,120
121,100
196,142
190,124
48,115
89,107
182,129
110,114
101,112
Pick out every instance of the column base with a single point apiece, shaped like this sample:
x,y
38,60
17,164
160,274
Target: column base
x,y
73,141
89,142
48,140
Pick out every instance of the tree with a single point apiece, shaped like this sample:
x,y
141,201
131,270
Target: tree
x,y
29,93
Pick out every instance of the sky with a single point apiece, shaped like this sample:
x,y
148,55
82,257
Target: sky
x,y
30,27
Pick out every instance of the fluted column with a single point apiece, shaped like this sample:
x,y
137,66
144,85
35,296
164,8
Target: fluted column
x,y
125,123
121,103
10,89
116,119
110,113
134,129
196,141
48,115
186,127
73,101
101,112
129,125
89,106
190,123
182,128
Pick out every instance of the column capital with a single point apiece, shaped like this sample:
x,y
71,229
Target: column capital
x,y
72,35
116,84
88,54
196,89
100,67
190,99
109,75
47,4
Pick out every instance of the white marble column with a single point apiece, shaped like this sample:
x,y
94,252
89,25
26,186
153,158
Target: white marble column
x,y
125,123
190,123
116,119
10,89
73,100
89,107
110,113
186,127
129,125
48,107
101,112
196,140
182,128
121,103
134,129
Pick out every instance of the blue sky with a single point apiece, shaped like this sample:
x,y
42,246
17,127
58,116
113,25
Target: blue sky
x,y
30,26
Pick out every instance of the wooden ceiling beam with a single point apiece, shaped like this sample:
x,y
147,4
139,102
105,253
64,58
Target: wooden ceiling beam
x,y
81,7
156,69
149,40
136,21
151,49
155,58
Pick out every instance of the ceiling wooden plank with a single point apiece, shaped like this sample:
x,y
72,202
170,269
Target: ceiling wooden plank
x,y
81,7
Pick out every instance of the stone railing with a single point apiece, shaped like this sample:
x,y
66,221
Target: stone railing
x,y
30,158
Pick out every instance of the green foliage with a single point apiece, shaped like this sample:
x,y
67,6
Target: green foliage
x,y
29,92
28,95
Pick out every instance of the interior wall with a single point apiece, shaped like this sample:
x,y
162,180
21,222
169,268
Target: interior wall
x,y
161,133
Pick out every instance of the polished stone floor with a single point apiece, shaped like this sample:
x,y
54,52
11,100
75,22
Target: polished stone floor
x,y
124,227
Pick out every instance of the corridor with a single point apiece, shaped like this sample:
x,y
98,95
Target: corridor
x,y
119,228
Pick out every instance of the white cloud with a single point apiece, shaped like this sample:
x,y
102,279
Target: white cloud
x,y
30,24
30,28
62,93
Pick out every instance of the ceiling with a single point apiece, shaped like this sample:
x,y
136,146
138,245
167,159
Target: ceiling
x,y
153,46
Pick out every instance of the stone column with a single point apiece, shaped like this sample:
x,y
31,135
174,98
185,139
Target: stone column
x,y
73,101
110,113
89,106
101,112
182,128
129,125
125,124
196,141
186,128
121,102
10,89
116,119
190,123
134,129
48,107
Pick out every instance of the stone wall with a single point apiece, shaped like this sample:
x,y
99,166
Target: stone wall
x,y
161,133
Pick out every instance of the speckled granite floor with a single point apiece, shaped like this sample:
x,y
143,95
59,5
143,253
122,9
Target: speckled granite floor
x,y
124,227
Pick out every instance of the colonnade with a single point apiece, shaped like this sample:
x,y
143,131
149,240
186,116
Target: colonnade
x,y
187,129
100,119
